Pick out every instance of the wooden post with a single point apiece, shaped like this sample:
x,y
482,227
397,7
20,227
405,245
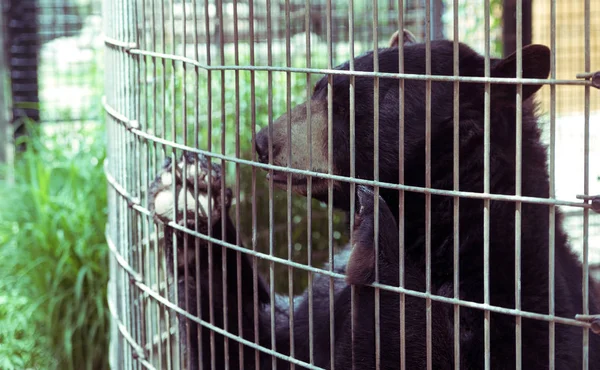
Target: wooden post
x,y
23,49
4,104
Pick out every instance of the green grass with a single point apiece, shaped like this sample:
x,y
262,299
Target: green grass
x,y
20,346
54,257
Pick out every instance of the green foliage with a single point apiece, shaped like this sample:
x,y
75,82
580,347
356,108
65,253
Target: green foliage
x,y
54,257
471,23
226,124
496,27
20,346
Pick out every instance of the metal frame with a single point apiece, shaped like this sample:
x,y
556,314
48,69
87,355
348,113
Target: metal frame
x,y
143,308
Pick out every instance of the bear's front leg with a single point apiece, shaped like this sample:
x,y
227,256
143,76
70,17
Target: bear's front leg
x,y
208,279
362,261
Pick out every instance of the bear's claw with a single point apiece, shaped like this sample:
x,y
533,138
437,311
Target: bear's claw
x,y
180,192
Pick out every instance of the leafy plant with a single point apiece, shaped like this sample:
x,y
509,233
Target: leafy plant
x,y
20,347
54,254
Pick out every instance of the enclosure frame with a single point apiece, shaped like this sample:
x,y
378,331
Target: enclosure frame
x,y
137,300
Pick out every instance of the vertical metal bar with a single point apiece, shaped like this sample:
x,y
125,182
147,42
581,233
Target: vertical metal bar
x,y
167,313
125,302
518,181
157,252
145,337
352,105
185,190
176,205
174,159
288,80
160,313
238,238
224,262
128,180
311,329
401,128
119,172
196,143
456,184
211,313
150,319
159,316
112,291
486,190
255,305
552,190
271,203
118,149
428,180
376,179
168,319
114,353
147,318
586,184
164,77
136,68
155,83
330,183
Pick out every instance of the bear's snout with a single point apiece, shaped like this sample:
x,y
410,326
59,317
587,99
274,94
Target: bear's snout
x,y
299,141
262,145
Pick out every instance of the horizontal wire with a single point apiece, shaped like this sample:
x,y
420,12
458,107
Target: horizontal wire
x,y
415,189
399,76
139,352
286,262
135,202
165,302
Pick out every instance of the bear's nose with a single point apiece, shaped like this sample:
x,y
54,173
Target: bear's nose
x,y
262,145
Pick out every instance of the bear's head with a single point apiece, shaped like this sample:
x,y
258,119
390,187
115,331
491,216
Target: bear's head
x,y
342,107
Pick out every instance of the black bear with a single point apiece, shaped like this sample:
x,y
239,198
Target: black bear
x,y
220,285
243,292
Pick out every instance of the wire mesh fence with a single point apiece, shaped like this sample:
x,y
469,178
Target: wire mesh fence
x,y
258,276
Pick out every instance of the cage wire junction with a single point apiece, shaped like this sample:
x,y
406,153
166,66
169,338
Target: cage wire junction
x,y
199,77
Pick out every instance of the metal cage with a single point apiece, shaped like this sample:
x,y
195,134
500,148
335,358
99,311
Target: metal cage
x,y
199,76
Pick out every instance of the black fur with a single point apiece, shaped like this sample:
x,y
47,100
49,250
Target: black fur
x,y
534,218
360,347
361,350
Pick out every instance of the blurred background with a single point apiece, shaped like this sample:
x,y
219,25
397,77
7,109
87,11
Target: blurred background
x,y
54,258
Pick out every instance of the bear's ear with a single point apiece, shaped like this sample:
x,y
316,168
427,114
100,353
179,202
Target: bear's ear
x,y
536,64
407,38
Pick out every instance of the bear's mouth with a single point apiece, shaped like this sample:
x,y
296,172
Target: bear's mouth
x,y
280,179
299,183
